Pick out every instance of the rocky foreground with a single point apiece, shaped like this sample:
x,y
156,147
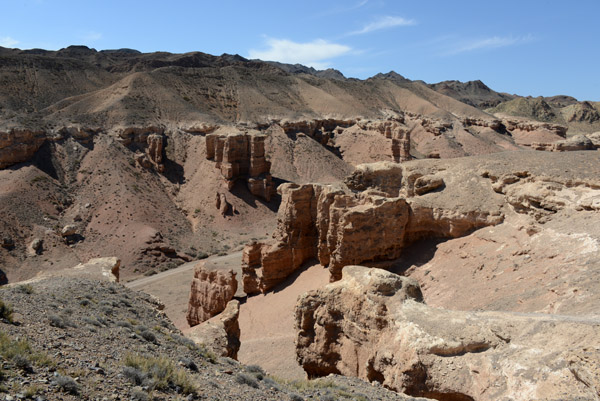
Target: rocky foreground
x,y
77,338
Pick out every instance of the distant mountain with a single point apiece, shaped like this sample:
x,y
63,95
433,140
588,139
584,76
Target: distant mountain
x,y
475,93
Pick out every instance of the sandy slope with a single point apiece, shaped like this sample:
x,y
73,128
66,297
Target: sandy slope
x,y
267,324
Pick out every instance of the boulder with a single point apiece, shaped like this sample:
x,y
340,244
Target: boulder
x,y
211,290
374,325
68,230
428,183
221,333
36,246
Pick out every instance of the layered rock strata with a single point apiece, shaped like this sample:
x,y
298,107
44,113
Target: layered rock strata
x,y
574,143
242,156
374,325
340,227
210,293
18,146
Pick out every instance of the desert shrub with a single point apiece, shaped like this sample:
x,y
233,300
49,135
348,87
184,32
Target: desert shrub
x,y
162,371
124,324
84,302
135,376
147,335
25,288
328,397
139,395
57,321
21,353
296,397
23,363
248,380
188,363
270,383
67,385
6,311
256,371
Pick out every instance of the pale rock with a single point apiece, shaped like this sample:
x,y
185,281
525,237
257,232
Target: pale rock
x,y
428,183
372,324
221,333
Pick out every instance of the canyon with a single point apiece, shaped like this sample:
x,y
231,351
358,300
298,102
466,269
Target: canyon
x,y
438,240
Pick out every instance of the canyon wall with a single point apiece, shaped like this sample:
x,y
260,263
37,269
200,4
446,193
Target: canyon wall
x,y
242,156
341,227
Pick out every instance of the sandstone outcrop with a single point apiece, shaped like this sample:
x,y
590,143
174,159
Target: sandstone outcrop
x,y
530,126
19,145
211,290
241,155
220,334
340,227
541,196
373,324
577,142
382,176
222,204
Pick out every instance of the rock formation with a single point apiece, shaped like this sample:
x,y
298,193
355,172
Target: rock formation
x,y
211,290
222,204
220,334
577,142
340,227
19,145
374,325
36,246
242,156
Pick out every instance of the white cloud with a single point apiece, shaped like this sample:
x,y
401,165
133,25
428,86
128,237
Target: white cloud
x,y
383,23
314,54
7,41
493,42
92,36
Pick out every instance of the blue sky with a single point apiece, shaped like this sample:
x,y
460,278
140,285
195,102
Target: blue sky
x,y
528,47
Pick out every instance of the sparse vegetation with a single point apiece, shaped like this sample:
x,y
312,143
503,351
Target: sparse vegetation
x,y
67,384
159,373
248,380
25,288
21,354
6,311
